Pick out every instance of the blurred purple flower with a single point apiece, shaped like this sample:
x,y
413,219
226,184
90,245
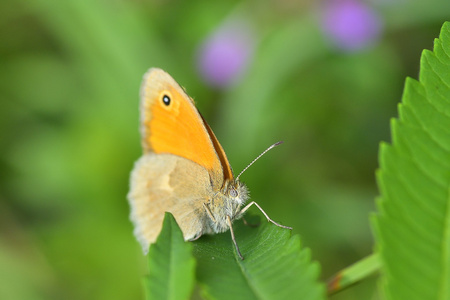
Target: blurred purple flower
x,y
225,54
350,24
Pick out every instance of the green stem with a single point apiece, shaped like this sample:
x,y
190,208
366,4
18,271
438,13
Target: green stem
x,y
354,273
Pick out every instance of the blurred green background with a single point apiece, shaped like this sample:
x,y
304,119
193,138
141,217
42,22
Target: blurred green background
x,y
70,73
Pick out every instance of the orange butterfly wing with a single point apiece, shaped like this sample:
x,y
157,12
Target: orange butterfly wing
x,y
170,123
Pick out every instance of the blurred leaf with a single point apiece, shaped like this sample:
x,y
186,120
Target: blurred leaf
x,y
171,264
275,266
413,226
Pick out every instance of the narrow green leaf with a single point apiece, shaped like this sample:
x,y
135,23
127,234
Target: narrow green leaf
x,y
171,264
412,228
275,266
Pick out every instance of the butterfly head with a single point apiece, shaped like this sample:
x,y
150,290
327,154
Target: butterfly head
x,y
236,192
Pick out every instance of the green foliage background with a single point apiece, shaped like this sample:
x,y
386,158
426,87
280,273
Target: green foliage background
x,y
69,78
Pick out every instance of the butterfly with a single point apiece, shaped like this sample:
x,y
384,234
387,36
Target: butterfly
x,y
183,170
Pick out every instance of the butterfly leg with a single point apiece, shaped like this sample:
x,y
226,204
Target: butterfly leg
x,y
208,211
242,211
233,238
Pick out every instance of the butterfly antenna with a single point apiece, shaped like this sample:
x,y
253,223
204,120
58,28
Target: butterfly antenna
x,y
264,152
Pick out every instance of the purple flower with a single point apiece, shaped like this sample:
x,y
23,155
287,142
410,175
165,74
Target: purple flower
x,y
350,24
225,54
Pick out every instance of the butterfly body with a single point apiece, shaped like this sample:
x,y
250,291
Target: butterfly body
x,y
227,202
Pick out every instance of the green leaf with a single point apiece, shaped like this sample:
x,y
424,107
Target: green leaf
x,y
275,266
412,227
171,264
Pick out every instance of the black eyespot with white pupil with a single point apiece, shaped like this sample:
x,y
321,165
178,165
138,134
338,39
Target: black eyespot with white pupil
x,y
166,100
